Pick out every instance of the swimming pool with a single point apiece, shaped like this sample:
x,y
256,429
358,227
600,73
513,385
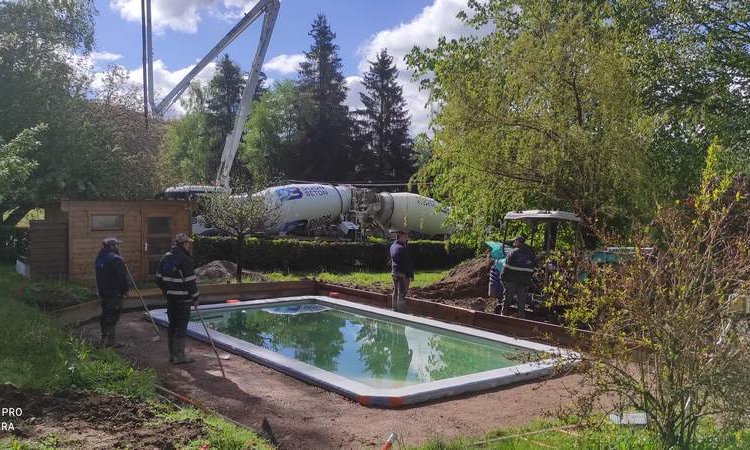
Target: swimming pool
x,y
374,356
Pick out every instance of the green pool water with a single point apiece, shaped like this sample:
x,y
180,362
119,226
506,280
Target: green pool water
x,y
369,349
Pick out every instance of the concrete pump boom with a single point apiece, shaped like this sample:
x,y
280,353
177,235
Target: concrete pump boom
x,y
267,8
246,103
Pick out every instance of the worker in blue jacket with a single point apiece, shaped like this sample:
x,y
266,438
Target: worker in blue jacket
x,y
402,270
497,253
517,274
176,278
112,286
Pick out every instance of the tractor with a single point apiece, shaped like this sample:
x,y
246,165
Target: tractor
x,y
543,230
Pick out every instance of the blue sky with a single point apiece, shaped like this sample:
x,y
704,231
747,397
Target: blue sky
x,y
187,29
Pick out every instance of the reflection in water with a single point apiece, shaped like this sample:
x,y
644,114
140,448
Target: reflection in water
x,y
370,350
384,349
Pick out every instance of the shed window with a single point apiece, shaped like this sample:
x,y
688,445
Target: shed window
x,y
108,222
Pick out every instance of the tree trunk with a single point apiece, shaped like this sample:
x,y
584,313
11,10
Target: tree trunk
x,y
590,239
240,256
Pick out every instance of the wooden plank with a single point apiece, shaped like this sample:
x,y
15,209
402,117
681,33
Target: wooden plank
x,y
44,225
48,235
356,295
46,266
241,290
353,291
38,250
511,326
51,243
49,253
42,233
48,240
439,311
533,330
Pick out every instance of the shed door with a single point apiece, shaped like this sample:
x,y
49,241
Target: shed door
x,y
158,240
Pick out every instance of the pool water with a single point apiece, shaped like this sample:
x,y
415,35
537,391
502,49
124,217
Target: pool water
x,y
373,351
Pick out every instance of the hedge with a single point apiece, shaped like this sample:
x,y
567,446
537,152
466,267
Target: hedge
x,y
290,255
14,241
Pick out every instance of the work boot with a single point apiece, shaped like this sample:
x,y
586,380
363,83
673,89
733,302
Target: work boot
x,y
110,340
170,342
179,351
103,342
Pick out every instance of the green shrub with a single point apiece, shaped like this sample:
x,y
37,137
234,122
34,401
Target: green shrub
x,y
297,255
14,241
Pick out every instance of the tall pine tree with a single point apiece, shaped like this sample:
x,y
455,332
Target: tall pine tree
x,y
385,124
224,93
222,103
323,151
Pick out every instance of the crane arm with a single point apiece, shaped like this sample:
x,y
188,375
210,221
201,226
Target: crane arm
x,y
270,7
246,103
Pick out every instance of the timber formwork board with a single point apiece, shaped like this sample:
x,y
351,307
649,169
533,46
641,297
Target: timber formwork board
x,y
210,293
219,293
509,326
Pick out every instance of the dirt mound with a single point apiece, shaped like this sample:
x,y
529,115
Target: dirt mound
x,y
84,420
467,280
222,270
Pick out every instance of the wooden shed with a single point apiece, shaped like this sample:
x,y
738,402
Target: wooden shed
x,y
65,244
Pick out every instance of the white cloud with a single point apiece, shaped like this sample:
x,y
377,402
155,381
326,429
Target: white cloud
x,y
178,15
105,56
355,87
436,20
164,81
284,64
181,15
243,5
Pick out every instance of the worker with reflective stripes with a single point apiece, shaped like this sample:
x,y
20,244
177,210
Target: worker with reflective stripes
x,y
517,275
176,278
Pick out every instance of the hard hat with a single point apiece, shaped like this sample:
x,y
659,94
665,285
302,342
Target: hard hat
x,y
110,241
182,238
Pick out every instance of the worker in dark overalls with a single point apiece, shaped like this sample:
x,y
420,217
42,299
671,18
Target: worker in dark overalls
x,y
517,274
112,286
402,270
177,280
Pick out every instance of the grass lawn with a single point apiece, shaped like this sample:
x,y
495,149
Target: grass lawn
x,y
364,279
565,436
38,354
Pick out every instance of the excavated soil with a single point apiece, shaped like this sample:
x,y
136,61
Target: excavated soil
x,y
303,416
468,280
77,420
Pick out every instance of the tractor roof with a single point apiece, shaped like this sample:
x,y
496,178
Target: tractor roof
x,y
540,215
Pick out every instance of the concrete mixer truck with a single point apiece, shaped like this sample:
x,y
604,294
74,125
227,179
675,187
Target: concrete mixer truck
x,y
323,209
305,208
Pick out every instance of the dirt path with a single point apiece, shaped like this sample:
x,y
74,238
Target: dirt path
x,y
307,417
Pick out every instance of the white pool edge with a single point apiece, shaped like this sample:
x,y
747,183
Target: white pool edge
x,y
382,397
